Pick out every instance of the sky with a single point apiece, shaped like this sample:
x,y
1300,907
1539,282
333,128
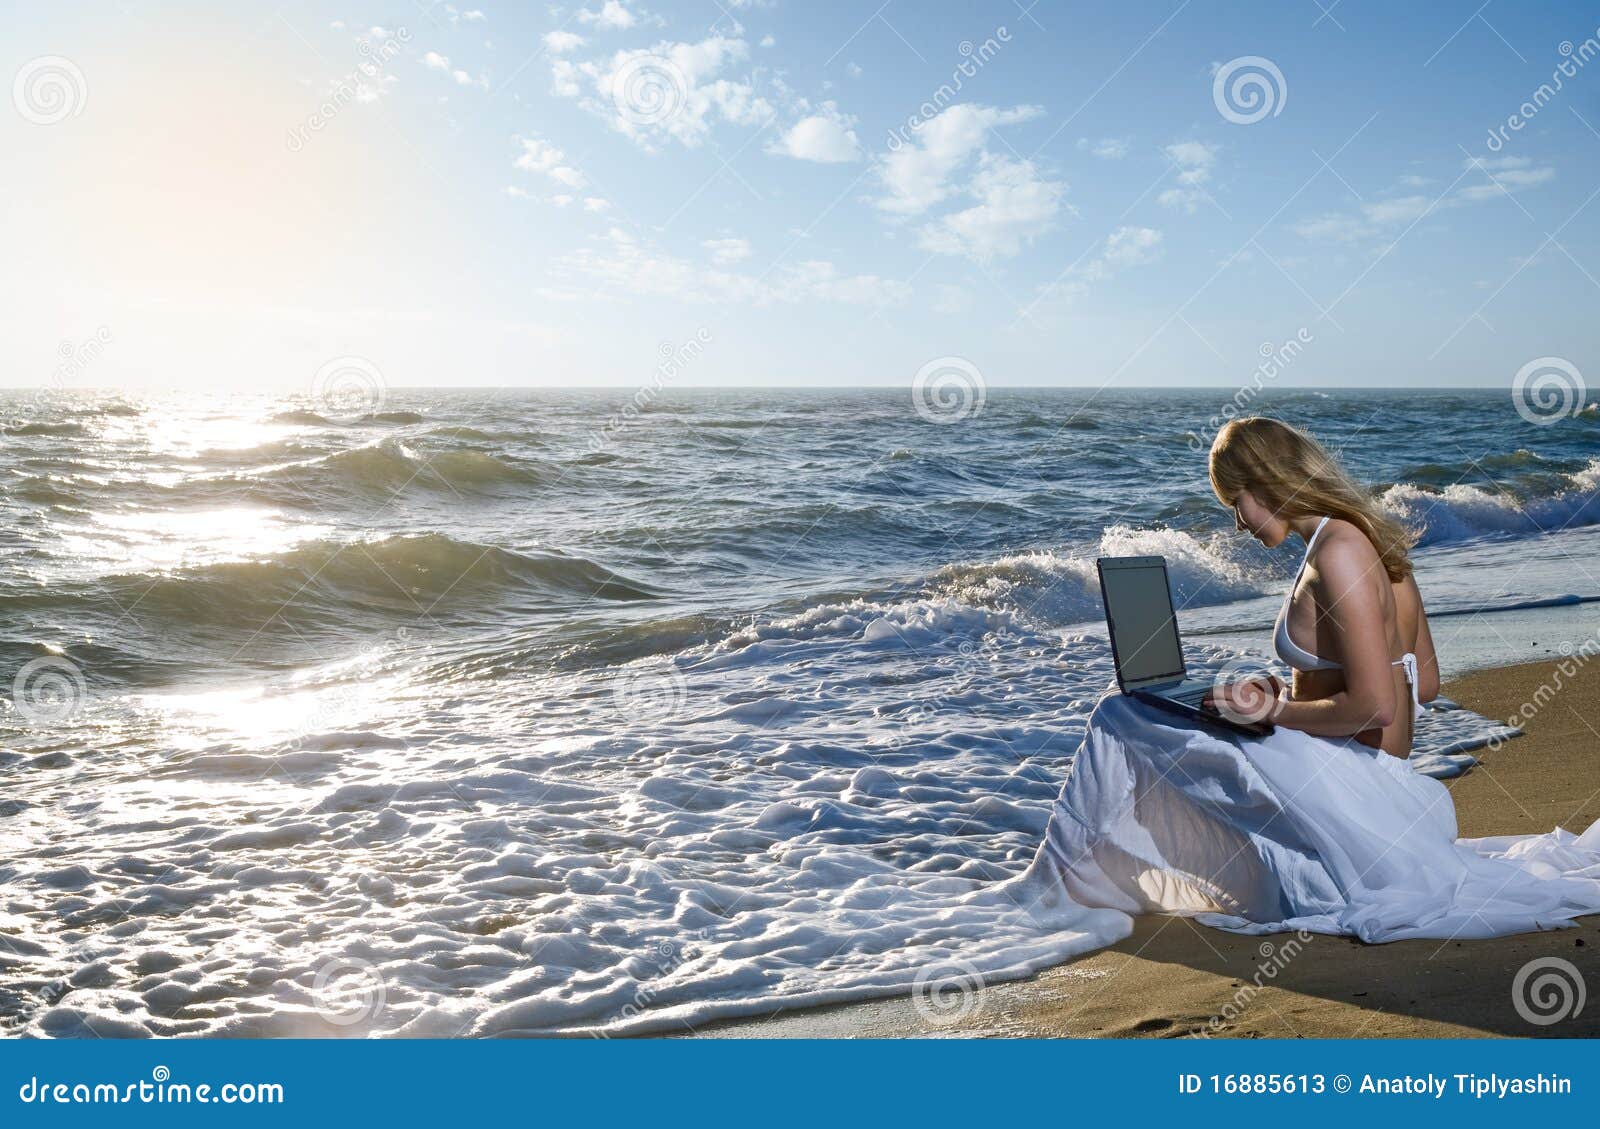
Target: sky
x,y
230,196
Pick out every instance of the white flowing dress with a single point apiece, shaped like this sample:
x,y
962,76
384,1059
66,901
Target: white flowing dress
x,y
1293,832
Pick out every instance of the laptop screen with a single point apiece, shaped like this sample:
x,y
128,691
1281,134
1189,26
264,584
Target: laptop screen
x,y
1139,613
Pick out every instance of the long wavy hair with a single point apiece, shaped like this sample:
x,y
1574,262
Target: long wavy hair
x,y
1294,476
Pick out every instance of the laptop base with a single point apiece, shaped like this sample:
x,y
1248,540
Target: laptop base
x,y
1203,716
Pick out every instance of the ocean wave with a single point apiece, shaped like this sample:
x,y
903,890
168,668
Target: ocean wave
x,y
433,563
303,417
392,465
1462,512
37,428
336,585
1059,588
115,408
48,491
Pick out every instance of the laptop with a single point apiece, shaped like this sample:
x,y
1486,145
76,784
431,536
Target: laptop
x,y
1145,644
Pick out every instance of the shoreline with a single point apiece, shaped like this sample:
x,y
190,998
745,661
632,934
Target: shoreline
x,y
1173,977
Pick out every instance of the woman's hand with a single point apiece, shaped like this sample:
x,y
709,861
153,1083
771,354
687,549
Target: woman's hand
x,y
1247,700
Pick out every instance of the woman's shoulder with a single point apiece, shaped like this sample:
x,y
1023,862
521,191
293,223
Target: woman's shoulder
x,y
1343,549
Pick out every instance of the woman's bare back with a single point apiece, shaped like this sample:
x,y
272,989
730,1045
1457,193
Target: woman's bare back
x,y
1407,629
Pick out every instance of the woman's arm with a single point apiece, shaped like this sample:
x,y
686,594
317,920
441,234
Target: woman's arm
x,y
1349,573
1427,657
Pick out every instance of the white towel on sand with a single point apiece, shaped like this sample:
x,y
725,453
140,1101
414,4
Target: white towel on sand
x,y
1293,832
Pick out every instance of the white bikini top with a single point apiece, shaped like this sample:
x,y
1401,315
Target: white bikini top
x,y
1299,658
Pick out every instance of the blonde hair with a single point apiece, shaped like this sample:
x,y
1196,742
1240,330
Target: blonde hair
x,y
1293,475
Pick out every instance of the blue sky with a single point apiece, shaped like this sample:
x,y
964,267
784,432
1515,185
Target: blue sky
x,y
483,194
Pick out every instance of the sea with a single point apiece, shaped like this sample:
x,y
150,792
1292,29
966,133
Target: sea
x,y
591,713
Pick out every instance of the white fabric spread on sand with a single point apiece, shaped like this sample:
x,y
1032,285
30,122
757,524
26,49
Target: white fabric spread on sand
x,y
1293,832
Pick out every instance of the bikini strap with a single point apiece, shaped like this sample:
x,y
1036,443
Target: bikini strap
x,y
1409,661
1306,556
1317,533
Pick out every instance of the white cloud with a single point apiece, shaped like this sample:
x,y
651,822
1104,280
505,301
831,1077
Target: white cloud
x,y
540,156
1502,176
671,90
1014,204
1400,210
917,174
1107,148
1374,219
563,42
595,204
623,264
561,200
825,137
726,252
517,192
1495,163
767,41
435,61
1194,161
1125,247
821,280
613,15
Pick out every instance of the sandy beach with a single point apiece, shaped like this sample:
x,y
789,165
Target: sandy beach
x,y
1171,977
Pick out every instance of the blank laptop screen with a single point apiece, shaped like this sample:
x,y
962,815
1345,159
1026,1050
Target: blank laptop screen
x,y
1139,609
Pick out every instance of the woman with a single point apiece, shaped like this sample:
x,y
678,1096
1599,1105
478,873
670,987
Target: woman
x,y
1321,825
1367,662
